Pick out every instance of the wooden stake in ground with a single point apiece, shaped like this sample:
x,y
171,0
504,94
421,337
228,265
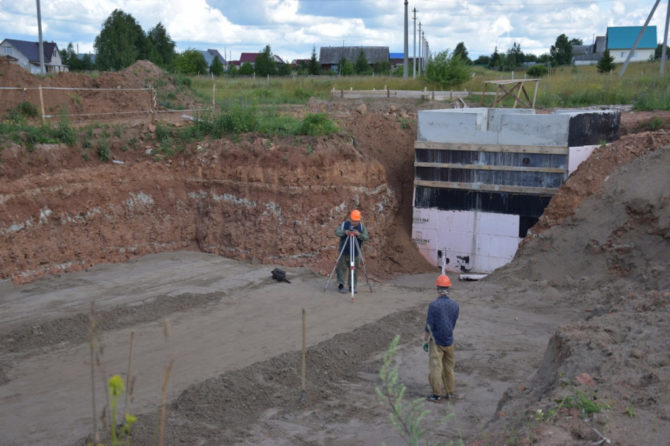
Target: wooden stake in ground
x,y
41,103
213,96
166,377
91,334
304,351
128,375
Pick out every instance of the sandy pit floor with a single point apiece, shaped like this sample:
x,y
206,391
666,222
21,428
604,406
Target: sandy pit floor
x,y
226,317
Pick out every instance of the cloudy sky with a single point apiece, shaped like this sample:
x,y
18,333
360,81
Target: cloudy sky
x,y
293,27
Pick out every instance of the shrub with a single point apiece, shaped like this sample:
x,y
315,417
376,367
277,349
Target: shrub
x,y
22,110
606,63
64,132
302,95
447,70
656,123
317,124
537,70
103,150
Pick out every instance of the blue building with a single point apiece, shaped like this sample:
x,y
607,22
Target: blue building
x,y
620,40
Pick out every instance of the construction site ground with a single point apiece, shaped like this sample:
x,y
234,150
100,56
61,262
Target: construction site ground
x,y
178,254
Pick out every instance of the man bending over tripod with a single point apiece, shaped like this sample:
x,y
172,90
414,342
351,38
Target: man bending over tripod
x,y
352,226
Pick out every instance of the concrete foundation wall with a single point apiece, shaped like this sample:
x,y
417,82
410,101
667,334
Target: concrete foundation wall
x,y
516,126
466,240
450,224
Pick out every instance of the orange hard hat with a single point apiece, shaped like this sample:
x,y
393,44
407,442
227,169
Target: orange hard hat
x,y
355,215
443,281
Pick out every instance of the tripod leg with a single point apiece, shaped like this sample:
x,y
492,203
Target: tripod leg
x,y
365,270
352,265
334,268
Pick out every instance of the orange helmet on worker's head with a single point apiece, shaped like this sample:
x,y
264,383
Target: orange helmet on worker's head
x,y
443,281
355,215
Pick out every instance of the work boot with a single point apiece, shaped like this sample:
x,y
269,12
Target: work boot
x,y
341,289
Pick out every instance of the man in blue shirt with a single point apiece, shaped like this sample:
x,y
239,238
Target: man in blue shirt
x,y
439,340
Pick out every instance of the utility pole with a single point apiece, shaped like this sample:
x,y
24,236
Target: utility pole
x,y
665,39
405,67
414,49
425,51
41,45
637,41
420,48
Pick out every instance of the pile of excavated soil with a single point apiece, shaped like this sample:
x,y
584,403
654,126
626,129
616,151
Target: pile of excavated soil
x,y
610,260
82,100
590,176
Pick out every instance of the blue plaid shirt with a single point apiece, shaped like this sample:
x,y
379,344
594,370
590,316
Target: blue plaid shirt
x,y
442,317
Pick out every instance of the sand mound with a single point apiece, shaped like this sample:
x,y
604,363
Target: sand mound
x,y
610,259
621,233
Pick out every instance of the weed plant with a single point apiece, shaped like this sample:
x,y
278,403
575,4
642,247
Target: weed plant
x,y
103,150
22,111
237,120
23,133
406,417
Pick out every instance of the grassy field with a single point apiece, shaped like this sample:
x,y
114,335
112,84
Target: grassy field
x,y
641,86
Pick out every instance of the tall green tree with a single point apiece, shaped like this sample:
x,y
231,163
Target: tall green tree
x,y
462,52
87,62
265,63
314,67
362,66
216,67
494,60
561,51
120,43
284,69
514,57
447,70
246,69
69,57
346,67
191,62
162,46
233,71
658,52
606,63
383,67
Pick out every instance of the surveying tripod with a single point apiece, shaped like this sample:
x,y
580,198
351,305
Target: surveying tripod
x,y
353,247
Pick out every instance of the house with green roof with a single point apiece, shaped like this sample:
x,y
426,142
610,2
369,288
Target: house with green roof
x,y
620,40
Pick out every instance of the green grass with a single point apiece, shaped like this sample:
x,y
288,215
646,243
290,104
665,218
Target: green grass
x,y
641,86
28,135
565,86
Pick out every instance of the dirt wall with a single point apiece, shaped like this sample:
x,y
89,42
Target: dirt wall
x,y
254,200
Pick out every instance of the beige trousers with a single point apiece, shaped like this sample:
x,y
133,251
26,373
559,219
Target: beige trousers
x,y
441,369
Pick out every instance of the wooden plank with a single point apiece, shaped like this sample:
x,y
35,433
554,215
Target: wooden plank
x,y
509,81
491,167
480,187
544,150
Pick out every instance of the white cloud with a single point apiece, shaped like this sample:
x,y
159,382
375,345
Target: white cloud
x,y
480,24
619,8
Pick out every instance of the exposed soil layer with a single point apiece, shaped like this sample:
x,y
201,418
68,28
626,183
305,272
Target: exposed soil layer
x,y
577,322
